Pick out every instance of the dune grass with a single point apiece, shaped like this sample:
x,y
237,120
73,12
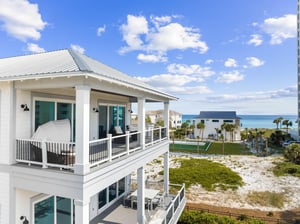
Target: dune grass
x,y
266,198
286,168
209,174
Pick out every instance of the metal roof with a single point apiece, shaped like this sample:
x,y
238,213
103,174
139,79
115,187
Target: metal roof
x,y
67,62
217,115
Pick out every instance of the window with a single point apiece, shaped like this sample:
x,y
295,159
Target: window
x,y
121,186
215,121
48,110
109,117
112,192
228,121
102,198
53,210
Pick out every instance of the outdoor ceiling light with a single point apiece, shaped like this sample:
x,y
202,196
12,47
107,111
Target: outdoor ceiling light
x,y
24,107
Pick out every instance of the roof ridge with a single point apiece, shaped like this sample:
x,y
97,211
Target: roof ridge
x,y
81,64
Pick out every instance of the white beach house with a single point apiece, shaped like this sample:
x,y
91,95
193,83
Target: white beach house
x,y
213,121
158,115
65,153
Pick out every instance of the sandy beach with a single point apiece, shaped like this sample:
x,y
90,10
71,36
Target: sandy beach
x,y
257,175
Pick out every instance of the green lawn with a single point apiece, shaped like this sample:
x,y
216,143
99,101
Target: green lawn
x,y
205,172
214,148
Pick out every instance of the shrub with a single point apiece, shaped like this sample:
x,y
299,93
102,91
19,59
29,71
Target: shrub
x,y
292,153
267,198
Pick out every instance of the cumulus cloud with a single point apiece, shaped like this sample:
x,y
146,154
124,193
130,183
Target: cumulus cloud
x,y
151,58
280,28
34,48
132,31
255,40
165,80
100,30
230,77
209,61
195,70
262,95
159,35
230,62
78,48
254,62
21,19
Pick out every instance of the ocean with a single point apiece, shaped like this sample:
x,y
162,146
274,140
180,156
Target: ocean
x,y
255,121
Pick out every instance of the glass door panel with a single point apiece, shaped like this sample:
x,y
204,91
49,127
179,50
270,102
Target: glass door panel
x,y
102,198
103,121
64,111
63,210
44,112
44,211
121,117
112,192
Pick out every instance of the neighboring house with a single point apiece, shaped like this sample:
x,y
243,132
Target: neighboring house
x,y
213,121
158,115
64,154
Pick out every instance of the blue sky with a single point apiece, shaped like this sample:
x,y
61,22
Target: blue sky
x,y
211,54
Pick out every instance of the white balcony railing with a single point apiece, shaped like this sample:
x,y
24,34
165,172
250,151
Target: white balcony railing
x,y
63,154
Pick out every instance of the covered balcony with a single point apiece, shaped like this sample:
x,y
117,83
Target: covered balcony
x,y
62,155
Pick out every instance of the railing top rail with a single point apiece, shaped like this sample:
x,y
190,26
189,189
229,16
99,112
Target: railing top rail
x,y
99,140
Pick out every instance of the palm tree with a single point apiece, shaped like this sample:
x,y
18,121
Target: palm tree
x,y
277,121
217,132
201,126
287,123
280,120
223,128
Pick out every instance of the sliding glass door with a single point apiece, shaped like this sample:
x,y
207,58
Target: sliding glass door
x,y
48,110
110,116
53,210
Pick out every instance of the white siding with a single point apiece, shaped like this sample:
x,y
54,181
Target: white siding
x,y
23,203
4,198
23,118
6,120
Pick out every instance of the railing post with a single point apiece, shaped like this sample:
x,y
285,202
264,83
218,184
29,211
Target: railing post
x,y
159,135
109,147
44,154
127,141
152,137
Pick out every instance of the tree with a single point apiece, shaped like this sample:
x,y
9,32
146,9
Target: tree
x,y
201,127
280,120
277,121
292,153
185,126
287,123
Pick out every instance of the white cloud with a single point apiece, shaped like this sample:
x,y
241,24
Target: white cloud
x,y
230,77
100,30
188,90
132,31
152,58
255,40
230,62
280,28
195,70
160,37
254,62
209,61
167,80
34,48
78,48
21,19
262,95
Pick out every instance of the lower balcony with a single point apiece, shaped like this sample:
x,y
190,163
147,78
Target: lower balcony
x,y
162,209
62,155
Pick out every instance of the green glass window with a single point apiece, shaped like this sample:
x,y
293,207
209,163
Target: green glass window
x,y
63,210
102,198
44,211
121,188
44,112
112,192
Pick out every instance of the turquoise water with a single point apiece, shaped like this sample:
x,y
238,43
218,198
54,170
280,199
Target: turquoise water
x,y
255,121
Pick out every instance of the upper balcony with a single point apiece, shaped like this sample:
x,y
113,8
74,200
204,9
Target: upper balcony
x,y
62,155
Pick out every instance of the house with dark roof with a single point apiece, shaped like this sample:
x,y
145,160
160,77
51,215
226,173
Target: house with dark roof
x,y
214,125
65,153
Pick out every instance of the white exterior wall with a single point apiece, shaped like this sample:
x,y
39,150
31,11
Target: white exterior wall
x,y
7,122
4,198
23,118
94,116
210,128
23,203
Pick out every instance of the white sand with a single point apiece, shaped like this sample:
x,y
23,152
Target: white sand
x,y
256,174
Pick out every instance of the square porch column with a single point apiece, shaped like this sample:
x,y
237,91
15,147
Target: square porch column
x,y
82,129
141,120
82,211
167,117
166,173
141,195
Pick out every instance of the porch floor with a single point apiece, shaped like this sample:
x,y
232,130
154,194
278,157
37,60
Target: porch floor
x,y
119,214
